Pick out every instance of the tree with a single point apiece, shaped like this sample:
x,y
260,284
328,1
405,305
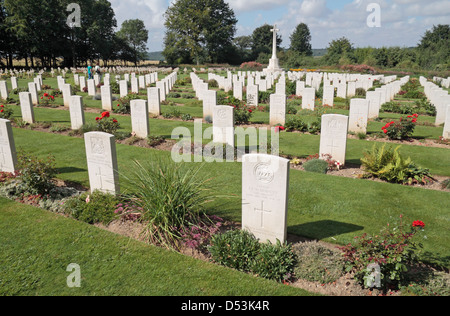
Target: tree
x,y
134,33
205,28
339,51
301,40
262,41
434,47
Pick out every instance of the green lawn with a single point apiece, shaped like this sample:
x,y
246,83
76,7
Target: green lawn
x,y
37,246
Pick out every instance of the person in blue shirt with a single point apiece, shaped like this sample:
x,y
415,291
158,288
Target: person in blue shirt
x,y
90,75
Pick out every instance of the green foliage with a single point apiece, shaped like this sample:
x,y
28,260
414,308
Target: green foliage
x,y
301,40
36,174
401,129
240,250
135,35
107,124
317,263
387,164
234,249
262,41
394,249
172,196
92,208
316,165
6,112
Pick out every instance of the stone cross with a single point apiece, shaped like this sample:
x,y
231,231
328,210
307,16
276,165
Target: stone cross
x,y
274,45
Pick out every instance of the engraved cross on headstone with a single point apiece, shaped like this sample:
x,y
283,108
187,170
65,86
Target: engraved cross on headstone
x,y
262,210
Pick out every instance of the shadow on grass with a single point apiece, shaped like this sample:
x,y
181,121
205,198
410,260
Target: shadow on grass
x,y
324,229
69,170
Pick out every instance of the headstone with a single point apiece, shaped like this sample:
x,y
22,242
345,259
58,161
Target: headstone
x,y
209,103
8,156
76,112
26,107
374,98
123,86
139,118
446,133
333,137
106,98
67,93
237,90
4,90
308,98
162,90
91,87
33,91
328,95
351,89
358,115
252,95
134,85
154,103
14,84
277,109
223,125
102,162
82,80
265,184
300,85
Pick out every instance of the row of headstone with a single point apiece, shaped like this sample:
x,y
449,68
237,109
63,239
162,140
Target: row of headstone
x,y
441,101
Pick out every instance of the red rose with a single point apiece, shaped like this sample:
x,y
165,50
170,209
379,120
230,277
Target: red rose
x,y
97,119
418,224
385,131
114,121
414,120
1,111
45,94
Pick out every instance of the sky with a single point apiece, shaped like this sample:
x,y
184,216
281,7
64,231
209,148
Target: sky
x,y
374,23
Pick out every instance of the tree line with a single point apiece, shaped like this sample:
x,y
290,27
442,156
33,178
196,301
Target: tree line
x,y
39,31
203,31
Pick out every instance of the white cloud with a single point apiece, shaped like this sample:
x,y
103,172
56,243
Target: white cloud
x,y
251,5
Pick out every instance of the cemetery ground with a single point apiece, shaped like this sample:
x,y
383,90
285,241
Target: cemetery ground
x,y
332,209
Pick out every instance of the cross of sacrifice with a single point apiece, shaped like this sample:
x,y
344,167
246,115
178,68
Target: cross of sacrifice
x,y
274,48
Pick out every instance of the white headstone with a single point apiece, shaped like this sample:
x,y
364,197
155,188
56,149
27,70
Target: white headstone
x,y
300,85
26,107
374,98
134,85
209,103
123,85
139,118
446,133
308,98
91,87
333,137
33,91
277,109
328,95
265,184
4,90
82,80
102,162
14,84
106,98
67,93
162,90
223,125
76,112
154,104
8,156
252,95
358,115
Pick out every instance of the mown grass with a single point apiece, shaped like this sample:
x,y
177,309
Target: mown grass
x,y
36,248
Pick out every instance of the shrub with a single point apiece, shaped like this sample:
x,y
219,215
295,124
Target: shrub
x,y
251,65
317,263
123,104
295,123
154,141
173,95
213,83
187,117
264,96
387,164
446,184
92,208
36,174
107,124
274,262
234,249
360,92
316,165
394,249
198,236
6,112
401,129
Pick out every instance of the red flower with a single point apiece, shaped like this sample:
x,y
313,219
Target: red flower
x,y
45,94
250,111
1,111
418,224
2,106
97,119
114,121
414,120
105,114
384,130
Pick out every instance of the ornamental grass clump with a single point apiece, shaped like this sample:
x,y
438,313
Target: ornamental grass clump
x,y
172,196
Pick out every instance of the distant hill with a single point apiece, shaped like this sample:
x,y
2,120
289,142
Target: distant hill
x,y
319,52
154,56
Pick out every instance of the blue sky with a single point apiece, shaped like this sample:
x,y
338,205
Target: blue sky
x,y
402,22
